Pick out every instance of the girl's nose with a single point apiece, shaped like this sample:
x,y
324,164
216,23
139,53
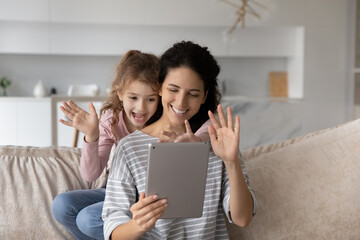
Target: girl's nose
x,y
142,105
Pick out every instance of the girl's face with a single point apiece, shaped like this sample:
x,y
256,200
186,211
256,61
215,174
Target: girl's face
x,y
140,101
182,95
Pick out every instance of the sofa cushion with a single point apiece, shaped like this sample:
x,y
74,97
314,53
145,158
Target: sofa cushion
x,y
30,179
307,187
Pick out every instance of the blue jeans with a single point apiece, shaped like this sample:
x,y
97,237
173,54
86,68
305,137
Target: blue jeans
x,y
79,211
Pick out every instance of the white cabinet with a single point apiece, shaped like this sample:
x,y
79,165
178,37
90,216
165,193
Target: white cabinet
x,y
24,10
24,37
99,12
8,131
25,121
33,123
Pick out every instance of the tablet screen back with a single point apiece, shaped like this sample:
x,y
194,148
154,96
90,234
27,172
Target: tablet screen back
x,y
178,171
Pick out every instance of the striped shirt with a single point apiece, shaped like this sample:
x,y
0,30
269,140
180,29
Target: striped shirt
x,y
128,178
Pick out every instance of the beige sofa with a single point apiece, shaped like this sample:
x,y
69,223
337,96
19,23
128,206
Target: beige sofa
x,y
307,188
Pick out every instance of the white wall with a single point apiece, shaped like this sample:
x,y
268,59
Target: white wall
x,y
326,79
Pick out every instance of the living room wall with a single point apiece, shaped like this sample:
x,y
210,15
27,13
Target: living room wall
x,y
328,87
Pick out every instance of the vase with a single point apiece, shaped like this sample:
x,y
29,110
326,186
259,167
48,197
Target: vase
x,y
4,93
40,90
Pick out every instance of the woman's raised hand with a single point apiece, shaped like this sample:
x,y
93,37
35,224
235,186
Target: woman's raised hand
x,y
224,136
147,211
175,136
87,123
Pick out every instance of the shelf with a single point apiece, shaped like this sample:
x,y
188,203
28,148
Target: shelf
x,y
260,99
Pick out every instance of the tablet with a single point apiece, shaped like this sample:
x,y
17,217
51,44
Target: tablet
x,y
177,172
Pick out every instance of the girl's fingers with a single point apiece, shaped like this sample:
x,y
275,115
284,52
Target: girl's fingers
x,y
170,135
67,106
230,122
173,131
75,107
221,116
188,127
92,108
67,113
67,123
165,140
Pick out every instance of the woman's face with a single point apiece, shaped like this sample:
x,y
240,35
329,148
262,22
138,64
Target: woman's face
x,y
182,95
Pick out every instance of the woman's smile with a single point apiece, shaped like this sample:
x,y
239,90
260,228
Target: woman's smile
x,y
182,93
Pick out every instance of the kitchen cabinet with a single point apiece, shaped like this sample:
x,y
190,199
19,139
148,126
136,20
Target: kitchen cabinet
x,y
28,121
25,121
112,27
24,37
24,10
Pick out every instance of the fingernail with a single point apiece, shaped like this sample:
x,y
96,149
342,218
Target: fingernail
x,y
164,201
155,197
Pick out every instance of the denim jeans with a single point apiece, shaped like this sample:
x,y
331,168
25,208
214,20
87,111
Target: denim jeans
x,y
79,211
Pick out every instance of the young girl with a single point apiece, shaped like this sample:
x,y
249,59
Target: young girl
x,y
188,78
132,103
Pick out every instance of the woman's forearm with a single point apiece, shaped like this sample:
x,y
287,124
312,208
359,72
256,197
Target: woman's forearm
x,y
129,230
241,202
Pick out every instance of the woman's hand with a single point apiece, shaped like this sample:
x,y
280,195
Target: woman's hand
x,y
147,211
175,136
225,138
87,123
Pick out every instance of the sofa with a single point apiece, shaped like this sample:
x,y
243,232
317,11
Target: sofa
x,y
307,187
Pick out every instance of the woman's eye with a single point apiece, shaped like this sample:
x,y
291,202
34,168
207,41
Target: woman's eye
x,y
133,98
151,99
193,94
173,90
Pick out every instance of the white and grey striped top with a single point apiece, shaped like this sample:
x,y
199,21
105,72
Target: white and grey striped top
x,y
128,176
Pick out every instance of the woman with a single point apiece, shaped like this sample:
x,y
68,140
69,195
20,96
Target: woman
x,y
188,78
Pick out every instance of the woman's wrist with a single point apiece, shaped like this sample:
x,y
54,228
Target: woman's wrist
x,y
233,165
130,230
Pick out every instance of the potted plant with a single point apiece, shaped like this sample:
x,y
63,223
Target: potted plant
x,y
4,83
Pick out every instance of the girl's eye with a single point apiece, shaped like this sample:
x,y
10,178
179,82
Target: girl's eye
x,y
133,98
151,99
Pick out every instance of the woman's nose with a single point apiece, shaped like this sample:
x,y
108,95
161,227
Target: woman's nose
x,y
181,100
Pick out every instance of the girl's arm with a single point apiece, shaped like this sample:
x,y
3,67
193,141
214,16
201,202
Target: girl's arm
x,y
95,155
225,139
97,140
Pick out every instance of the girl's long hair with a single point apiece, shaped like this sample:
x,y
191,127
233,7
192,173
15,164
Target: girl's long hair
x,y
134,66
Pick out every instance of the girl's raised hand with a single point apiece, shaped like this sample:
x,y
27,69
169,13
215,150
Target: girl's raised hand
x,y
87,123
147,211
175,136
224,136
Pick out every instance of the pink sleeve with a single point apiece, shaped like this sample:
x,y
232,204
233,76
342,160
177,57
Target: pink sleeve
x,y
202,132
95,155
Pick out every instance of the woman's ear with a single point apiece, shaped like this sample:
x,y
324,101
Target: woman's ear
x,y
204,99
